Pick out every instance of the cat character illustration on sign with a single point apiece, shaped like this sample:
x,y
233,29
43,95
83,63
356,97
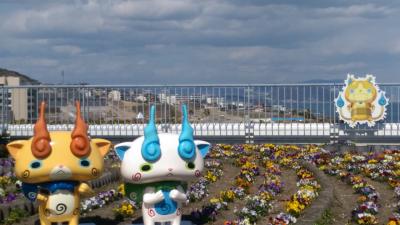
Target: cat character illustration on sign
x,y
361,101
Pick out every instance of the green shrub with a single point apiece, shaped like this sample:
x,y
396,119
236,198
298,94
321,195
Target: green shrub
x,y
326,218
15,216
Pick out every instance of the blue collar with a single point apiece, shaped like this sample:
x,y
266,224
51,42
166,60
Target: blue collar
x,y
31,190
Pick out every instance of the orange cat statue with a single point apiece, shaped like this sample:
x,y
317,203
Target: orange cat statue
x,y
54,167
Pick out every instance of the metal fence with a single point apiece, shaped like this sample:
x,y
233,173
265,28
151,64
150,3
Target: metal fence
x,y
278,113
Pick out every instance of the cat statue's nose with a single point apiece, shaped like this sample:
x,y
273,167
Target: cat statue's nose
x,y
60,172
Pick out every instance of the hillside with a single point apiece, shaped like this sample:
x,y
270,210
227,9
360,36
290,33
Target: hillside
x,y
24,78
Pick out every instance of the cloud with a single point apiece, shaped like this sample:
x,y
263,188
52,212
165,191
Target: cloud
x,y
156,9
366,10
191,41
68,49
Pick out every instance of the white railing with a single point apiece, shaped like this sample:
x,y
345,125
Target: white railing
x,y
289,110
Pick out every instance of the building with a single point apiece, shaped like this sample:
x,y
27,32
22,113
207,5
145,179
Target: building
x,y
114,95
178,99
18,104
218,101
189,98
169,99
279,108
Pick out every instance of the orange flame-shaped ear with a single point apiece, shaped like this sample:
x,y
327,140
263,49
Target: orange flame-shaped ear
x,y
41,147
80,144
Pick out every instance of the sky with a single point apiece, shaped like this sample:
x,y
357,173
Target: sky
x,y
200,41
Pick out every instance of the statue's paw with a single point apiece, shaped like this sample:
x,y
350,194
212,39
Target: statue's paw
x,y
159,195
42,198
85,189
174,194
177,196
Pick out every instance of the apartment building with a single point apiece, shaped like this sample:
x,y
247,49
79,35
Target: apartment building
x,y
18,104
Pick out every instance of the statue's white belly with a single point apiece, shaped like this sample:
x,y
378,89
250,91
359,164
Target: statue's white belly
x,y
61,203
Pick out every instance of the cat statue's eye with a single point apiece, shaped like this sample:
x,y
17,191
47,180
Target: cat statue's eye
x,y
84,162
190,165
36,164
146,167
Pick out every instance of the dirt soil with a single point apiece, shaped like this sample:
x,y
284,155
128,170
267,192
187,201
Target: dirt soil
x,y
345,200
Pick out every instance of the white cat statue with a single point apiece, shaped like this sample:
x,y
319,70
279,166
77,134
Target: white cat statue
x,y
156,169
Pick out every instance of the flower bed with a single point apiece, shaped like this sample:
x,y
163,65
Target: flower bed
x,y
100,200
246,202
307,192
199,190
350,167
6,166
9,188
242,156
126,209
258,204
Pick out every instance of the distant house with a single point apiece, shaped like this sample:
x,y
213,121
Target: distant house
x,y
114,95
258,109
141,98
279,108
219,101
21,104
169,99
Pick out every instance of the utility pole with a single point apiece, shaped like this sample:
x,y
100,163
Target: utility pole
x,y
62,75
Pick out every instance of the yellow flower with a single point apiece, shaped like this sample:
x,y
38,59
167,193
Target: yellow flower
x,y
266,196
210,176
294,207
121,189
270,146
347,157
214,200
228,196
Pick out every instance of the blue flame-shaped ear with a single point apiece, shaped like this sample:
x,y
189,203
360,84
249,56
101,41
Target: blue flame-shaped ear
x,y
382,100
339,101
151,150
186,148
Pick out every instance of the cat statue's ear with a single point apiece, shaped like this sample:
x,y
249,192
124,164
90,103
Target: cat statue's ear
x,y
103,145
121,149
15,146
203,146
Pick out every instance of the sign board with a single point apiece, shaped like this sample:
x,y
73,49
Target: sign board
x,y
361,101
